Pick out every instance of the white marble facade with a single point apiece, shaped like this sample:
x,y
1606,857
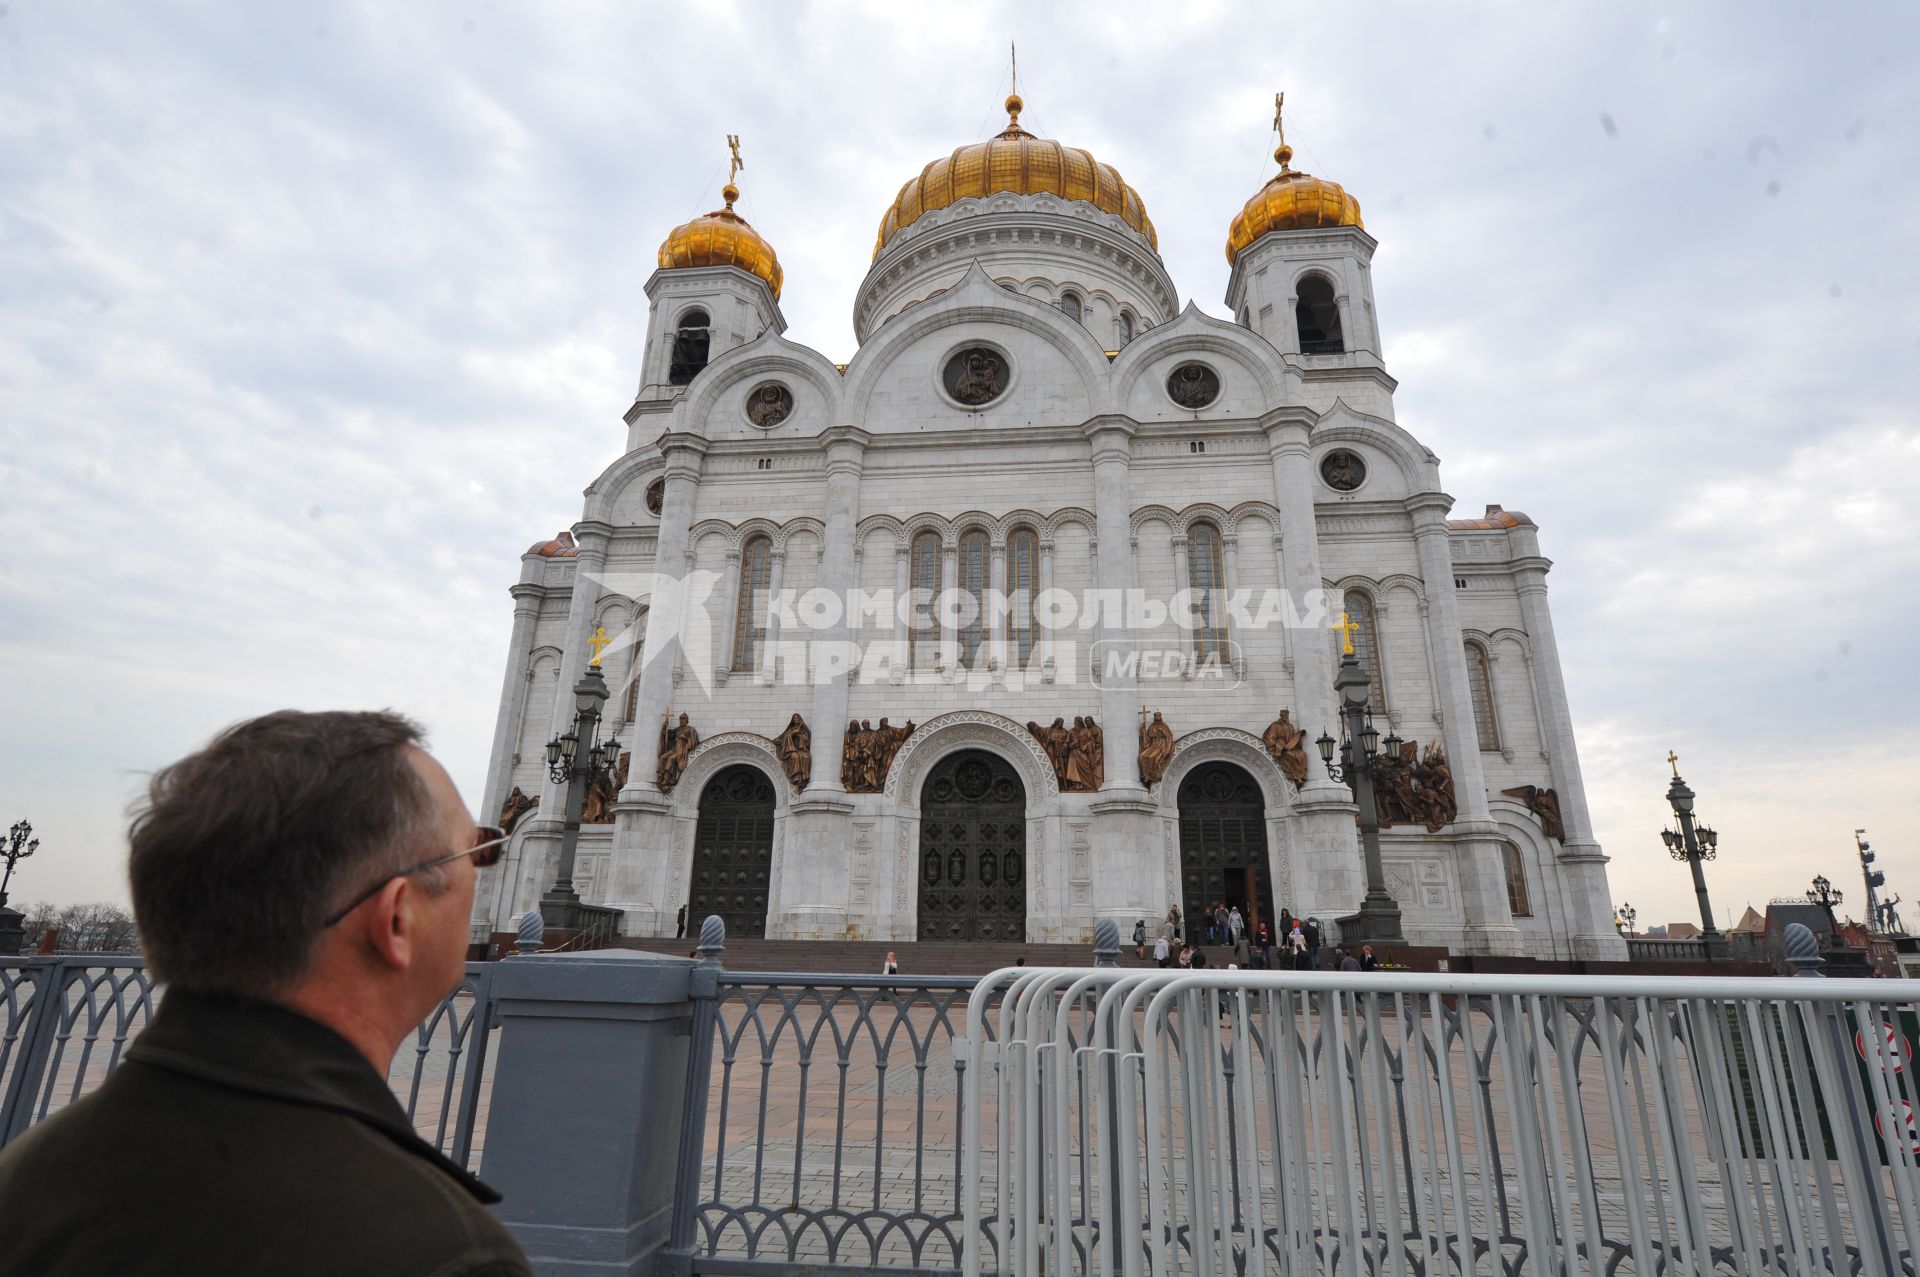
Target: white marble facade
x,y
1086,450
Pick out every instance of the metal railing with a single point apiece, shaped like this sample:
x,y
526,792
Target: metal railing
x,y
1409,1124
66,1021
827,1113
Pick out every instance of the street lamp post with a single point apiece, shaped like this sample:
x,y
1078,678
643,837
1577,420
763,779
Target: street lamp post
x,y
1624,917
1875,879
1824,894
1378,921
1693,843
19,845
575,759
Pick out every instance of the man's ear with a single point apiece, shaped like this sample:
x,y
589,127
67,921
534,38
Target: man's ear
x,y
389,922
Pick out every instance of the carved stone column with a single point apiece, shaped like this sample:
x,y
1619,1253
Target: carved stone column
x,y
902,648
1112,440
1325,838
949,584
997,615
766,668
1487,912
509,727
1582,863
1043,637
728,618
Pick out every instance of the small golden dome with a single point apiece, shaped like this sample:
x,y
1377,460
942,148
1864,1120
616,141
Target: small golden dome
x,y
1017,161
723,238
1291,202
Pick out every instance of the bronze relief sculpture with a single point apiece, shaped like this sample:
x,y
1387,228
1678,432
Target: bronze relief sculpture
x,y
1410,788
976,376
868,752
795,747
603,790
676,745
1545,805
1343,470
1288,746
1078,753
516,806
1156,749
770,404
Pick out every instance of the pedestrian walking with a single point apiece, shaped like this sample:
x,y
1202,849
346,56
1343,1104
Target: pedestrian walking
x,y
1161,949
891,966
1347,961
1367,961
1297,947
1242,952
1236,925
1140,938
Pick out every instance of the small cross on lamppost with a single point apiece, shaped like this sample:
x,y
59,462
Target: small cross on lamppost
x,y
1693,843
575,759
1378,921
1826,895
1624,917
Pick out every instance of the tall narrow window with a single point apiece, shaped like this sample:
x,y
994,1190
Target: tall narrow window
x,y
1366,644
1480,684
1023,586
1126,327
633,666
974,580
1517,898
750,610
1207,579
923,636
690,341
1070,306
1318,317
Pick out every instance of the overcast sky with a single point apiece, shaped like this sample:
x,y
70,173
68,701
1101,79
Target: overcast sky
x,y
313,317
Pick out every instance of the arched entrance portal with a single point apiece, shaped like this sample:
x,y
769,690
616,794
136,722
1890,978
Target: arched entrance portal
x,y
973,850
733,852
1223,848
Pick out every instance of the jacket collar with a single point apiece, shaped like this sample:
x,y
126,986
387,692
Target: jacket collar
x,y
265,1049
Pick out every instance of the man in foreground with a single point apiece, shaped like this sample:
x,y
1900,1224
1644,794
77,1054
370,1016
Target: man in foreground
x,y
303,887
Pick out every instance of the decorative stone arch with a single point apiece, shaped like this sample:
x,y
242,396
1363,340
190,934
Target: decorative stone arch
x,y
968,520
1403,581
729,535
875,523
927,523
1265,511
766,356
1304,269
1061,518
618,607
1342,424
977,299
1195,332
745,532
545,652
718,752
793,527
970,729
1221,519
1224,745
1154,514
1003,526
610,486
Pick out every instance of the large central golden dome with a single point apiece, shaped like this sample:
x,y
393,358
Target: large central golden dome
x,y
1016,161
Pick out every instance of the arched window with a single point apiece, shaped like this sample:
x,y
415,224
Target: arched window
x,y
1318,317
1366,644
1208,580
1480,683
1070,306
924,566
750,610
1126,327
1517,898
974,580
689,348
1023,586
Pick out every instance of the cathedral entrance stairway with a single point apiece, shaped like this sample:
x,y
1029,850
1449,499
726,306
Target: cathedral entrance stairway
x,y
921,957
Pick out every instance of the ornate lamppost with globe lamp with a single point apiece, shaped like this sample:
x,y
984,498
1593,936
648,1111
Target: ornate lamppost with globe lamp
x,y
576,758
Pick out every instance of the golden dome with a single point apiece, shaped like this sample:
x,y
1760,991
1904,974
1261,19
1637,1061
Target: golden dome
x,y
1017,161
1291,202
723,238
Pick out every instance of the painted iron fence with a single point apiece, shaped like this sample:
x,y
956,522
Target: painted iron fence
x,y
1245,1123
66,1021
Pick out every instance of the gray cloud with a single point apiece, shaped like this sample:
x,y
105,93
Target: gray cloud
x,y
312,319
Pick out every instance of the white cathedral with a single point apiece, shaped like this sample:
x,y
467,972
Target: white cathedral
x,y
1040,493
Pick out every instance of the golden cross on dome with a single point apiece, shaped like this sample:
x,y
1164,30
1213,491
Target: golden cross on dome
x,y
1673,761
1347,628
1013,61
598,643
1279,102
736,163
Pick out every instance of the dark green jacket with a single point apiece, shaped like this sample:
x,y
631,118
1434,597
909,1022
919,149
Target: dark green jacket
x,y
241,1138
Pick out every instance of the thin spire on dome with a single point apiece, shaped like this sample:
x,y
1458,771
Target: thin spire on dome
x,y
1283,152
1014,104
730,192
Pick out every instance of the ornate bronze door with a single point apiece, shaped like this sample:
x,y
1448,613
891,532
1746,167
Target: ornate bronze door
x,y
973,850
1223,844
733,853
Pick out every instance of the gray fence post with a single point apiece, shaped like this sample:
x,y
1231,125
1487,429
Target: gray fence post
x,y
589,1098
27,1086
693,1133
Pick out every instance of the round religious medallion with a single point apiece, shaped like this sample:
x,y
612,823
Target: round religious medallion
x,y
770,404
656,495
976,375
1193,385
1343,470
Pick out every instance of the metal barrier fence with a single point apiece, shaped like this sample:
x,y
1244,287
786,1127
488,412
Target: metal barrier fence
x,y
1240,1123
65,1022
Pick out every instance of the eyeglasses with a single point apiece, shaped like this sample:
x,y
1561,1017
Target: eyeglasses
x,y
492,842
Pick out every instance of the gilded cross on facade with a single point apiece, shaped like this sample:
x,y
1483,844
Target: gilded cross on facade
x,y
598,642
1673,761
1347,628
